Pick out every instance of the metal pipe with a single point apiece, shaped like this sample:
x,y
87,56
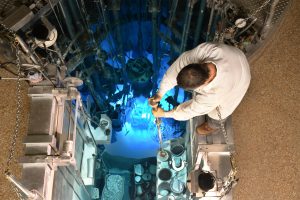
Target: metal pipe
x,y
119,38
85,20
106,26
71,44
75,123
210,20
140,35
214,25
67,18
158,122
29,194
74,13
14,79
172,12
169,41
187,22
199,21
26,49
155,106
154,11
91,134
192,136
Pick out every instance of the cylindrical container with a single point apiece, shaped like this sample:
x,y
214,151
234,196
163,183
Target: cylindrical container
x,y
152,169
163,155
177,150
177,186
68,148
137,179
177,161
139,190
164,189
165,174
206,181
139,169
146,177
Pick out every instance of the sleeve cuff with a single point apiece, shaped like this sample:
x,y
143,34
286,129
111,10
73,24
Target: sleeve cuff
x,y
168,114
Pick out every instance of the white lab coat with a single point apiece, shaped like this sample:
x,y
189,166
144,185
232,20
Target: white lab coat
x,y
226,90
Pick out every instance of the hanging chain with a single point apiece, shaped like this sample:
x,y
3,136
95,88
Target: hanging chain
x,y
222,125
230,179
14,43
12,38
252,15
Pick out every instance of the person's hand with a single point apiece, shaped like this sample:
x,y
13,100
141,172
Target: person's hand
x,y
153,101
158,112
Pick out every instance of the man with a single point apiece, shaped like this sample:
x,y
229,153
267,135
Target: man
x,y
218,74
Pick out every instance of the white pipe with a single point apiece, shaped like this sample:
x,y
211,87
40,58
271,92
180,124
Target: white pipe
x,y
75,124
26,49
25,191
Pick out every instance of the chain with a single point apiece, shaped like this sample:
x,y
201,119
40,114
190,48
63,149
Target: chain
x,y
252,15
231,179
12,37
222,125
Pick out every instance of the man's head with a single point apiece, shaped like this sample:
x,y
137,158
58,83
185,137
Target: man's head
x,y
193,76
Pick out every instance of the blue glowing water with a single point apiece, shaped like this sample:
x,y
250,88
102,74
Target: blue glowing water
x,y
138,137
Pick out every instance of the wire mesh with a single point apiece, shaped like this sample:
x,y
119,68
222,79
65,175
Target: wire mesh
x,y
252,5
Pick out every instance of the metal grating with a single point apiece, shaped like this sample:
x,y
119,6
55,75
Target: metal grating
x,y
280,8
252,5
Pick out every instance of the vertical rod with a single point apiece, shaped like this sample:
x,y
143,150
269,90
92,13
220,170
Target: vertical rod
x,y
119,37
210,21
199,21
74,13
67,18
75,124
158,122
154,12
173,51
172,12
186,27
140,35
